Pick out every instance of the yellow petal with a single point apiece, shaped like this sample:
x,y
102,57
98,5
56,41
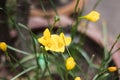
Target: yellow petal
x,y
45,37
42,41
61,49
46,33
49,44
58,45
66,40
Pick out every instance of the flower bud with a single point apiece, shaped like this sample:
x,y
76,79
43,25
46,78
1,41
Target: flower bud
x,y
3,46
77,78
112,69
92,16
70,63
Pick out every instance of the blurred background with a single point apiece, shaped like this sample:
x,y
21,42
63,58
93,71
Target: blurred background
x,y
36,18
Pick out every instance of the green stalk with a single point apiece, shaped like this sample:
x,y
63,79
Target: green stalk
x,y
35,52
53,6
8,58
47,66
45,12
75,10
115,51
66,76
97,76
52,26
118,37
25,71
96,4
19,63
105,40
17,50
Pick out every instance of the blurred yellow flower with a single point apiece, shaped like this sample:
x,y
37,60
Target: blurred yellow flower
x,y
92,16
54,42
77,78
70,63
3,46
112,69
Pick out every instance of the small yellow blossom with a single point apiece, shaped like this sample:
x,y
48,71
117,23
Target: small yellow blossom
x,y
77,78
70,63
3,46
112,69
92,16
54,42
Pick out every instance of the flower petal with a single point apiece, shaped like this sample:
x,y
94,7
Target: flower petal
x,y
66,40
46,33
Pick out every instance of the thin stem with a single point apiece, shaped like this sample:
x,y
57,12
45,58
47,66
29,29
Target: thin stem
x,y
35,51
66,76
17,50
118,37
25,71
75,10
8,58
52,26
44,10
96,4
54,7
68,51
115,51
98,75
105,40
19,63
46,62
81,70
49,68
66,47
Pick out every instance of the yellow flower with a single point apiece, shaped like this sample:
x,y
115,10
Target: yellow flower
x,y
92,16
3,46
54,42
77,78
112,69
70,63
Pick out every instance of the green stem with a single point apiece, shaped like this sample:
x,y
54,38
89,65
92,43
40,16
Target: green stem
x,y
66,47
96,4
75,10
118,37
115,51
66,76
106,55
25,71
68,51
17,50
96,77
19,63
52,26
46,62
8,58
53,6
35,53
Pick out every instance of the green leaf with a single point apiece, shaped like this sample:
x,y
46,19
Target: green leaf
x,y
102,77
84,54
